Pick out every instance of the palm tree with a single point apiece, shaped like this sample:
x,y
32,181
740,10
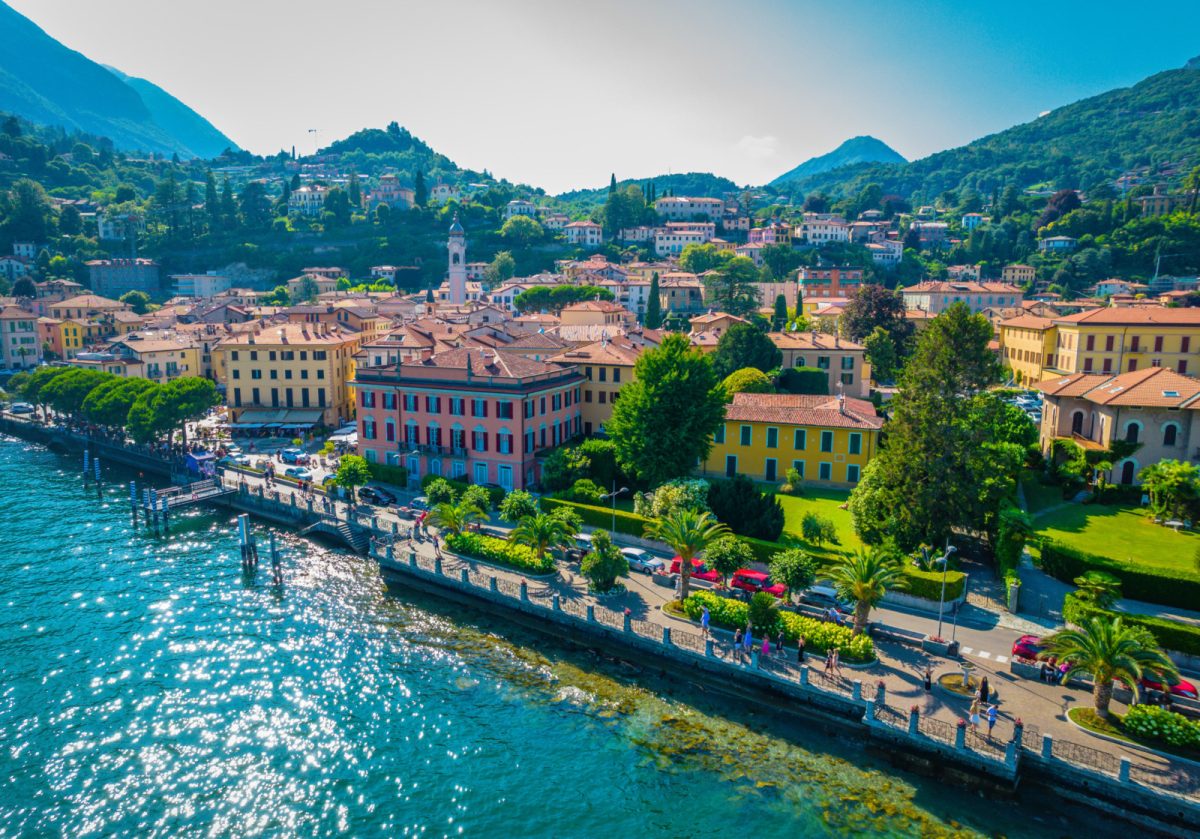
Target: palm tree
x,y
455,518
542,532
688,533
1107,649
864,577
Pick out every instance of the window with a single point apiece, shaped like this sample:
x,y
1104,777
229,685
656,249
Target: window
x,y
237,374
479,407
457,408
1158,343
855,443
1087,365
769,471
1169,434
587,397
730,465
320,355
852,473
1131,432
256,374
603,397
367,398
1108,343
274,374
433,404
1133,343
542,406
825,471
287,374
847,378
772,438
1091,343
719,436
745,435
1183,368
1185,343
798,465
587,371
237,397
617,374
604,374
822,362
847,362
826,441
800,440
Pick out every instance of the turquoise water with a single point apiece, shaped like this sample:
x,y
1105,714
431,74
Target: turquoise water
x,y
148,688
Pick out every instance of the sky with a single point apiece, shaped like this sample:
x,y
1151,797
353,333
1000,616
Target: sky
x,y
561,93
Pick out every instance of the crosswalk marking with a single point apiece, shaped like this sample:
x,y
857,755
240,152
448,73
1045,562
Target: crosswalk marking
x,y
968,649
984,654
1000,659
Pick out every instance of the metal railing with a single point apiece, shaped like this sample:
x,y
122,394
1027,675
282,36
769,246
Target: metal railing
x,y
940,730
1105,763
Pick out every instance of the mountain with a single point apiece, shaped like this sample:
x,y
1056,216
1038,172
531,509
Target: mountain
x,y
45,82
1151,126
864,149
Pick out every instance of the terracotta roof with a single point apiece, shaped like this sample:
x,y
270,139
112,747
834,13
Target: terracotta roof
x,y
487,362
811,341
803,409
1134,316
618,351
595,306
1028,322
967,286
89,301
1153,387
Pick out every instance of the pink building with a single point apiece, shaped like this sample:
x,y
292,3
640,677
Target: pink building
x,y
470,413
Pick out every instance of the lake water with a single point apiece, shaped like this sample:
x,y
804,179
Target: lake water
x,y
148,688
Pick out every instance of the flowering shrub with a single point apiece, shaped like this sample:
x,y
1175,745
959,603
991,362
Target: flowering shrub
x,y
690,494
499,551
1155,723
819,636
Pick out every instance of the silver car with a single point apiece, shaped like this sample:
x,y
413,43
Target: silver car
x,y
644,561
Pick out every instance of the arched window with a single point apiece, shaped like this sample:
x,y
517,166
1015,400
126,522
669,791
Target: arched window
x,y
1077,422
1170,433
1132,431
1127,473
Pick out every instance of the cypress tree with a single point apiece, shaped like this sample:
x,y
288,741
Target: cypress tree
x,y
612,184
653,305
420,191
212,204
781,314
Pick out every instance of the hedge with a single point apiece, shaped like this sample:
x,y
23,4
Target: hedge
x,y
928,584
1171,635
630,524
499,551
388,474
819,636
497,494
1154,585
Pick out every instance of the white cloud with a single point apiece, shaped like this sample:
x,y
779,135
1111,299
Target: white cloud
x,y
757,148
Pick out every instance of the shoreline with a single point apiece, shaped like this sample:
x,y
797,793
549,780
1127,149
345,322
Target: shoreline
x,y
944,759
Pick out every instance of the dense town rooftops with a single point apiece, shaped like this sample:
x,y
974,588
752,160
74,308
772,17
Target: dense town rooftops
x,y
1153,387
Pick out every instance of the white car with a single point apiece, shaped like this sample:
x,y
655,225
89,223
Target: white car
x,y
823,593
644,561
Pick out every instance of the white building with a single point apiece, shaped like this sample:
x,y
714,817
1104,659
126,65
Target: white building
x,y
586,233
456,273
117,226
886,252
672,239
201,285
821,231
13,267
442,192
25,250
20,348
555,221
520,207
307,200
972,220
687,209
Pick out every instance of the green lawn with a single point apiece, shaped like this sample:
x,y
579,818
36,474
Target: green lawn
x,y
823,502
1039,496
1126,534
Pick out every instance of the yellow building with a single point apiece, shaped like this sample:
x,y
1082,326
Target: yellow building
x,y
606,367
1026,342
291,374
827,440
1109,339
158,358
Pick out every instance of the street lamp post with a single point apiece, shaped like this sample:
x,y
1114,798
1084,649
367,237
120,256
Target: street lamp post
x,y
613,497
945,560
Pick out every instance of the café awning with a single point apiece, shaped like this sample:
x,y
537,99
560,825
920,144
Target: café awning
x,y
278,418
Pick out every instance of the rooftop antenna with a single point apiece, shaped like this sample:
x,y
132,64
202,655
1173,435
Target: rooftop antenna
x,y
316,133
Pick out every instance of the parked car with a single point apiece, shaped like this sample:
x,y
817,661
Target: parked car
x,y
644,561
300,473
699,572
419,503
376,495
823,593
21,408
1027,646
299,456
753,582
237,459
1177,687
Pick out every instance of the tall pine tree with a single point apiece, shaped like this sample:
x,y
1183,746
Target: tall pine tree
x,y
212,204
420,191
653,305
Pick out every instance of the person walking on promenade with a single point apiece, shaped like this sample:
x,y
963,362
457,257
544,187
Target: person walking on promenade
x,y
748,640
800,649
766,646
974,715
779,639
704,619
928,679
991,719
829,663
984,690
737,644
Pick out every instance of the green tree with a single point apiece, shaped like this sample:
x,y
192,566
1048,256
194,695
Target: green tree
x,y
763,613
522,231
936,470
542,533
779,318
747,380
1106,649
440,491
604,563
688,533
517,505
871,306
1173,487
653,318
733,287
696,259
353,471
477,496
186,399
148,418
677,381
748,510
337,208
1099,588
212,203
28,215
354,190
501,268
65,393
255,206
30,385
307,290
108,404
728,554
25,288
229,213
139,301
780,260
880,351
420,190
794,569
453,519
745,345
818,530
865,577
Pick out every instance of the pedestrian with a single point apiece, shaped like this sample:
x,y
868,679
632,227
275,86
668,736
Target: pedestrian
x,y
1045,672
748,639
837,661
737,643
800,642
928,679
779,639
974,714
766,646
704,619
984,690
991,719
829,662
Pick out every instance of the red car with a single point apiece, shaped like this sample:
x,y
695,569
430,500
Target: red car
x,y
1027,646
756,581
698,570
1177,687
